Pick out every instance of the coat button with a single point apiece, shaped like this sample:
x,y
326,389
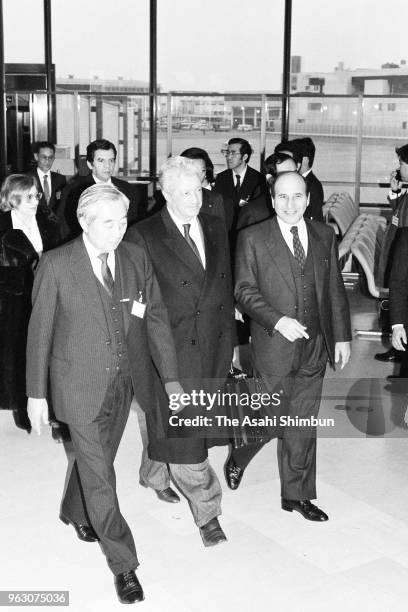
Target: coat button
x,y
198,313
222,307
107,369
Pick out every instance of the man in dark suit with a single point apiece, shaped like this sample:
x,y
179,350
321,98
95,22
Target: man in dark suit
x,y
101,159
398,200
240,184
258,211
307,151
97,321
398,300
289,283
189,251
303,152
50,184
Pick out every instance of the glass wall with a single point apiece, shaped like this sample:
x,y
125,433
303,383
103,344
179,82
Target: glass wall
x,y
23,31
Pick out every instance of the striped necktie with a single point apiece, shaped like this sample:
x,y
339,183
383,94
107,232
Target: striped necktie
x,y
107,277
191,242
298,249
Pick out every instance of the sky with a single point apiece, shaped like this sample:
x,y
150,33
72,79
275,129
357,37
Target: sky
x,y
207,45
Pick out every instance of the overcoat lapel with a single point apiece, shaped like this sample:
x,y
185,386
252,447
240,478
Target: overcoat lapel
x,y
211,253
179,246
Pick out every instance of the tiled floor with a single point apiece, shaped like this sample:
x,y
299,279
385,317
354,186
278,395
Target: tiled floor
x,y
273,560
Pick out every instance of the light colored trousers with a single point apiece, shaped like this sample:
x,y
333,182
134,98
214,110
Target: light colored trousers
x,y
198,482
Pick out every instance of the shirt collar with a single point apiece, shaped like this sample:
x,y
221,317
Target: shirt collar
x,y
286,227
97,181
241,174
305,174
179,222
91,250
41,174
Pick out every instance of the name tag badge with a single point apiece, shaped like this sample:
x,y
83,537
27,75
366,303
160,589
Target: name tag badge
x,y
138,309
394,220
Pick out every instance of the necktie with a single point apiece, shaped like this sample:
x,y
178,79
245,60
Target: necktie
x,y
46,189
107,277
238,183
191,242
298,249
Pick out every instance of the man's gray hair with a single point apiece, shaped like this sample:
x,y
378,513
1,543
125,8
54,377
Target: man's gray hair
x,y
173,169
96,194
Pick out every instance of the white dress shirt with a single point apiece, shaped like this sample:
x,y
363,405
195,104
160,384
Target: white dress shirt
x,y
96,263
41,175
196,233
288,236
30,230
241,176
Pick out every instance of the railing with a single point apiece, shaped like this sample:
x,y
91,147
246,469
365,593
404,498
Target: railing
x,y
355,136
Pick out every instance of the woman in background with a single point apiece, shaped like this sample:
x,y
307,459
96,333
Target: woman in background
x,y
26,230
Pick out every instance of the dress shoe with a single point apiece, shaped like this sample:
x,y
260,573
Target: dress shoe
x,y
306,509
233,474
392,355
212,534
168,495
128,587
86,533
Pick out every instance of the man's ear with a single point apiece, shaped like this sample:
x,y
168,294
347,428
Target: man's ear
x,y
308,199
167,195
90,166
83,224
36,157
273,202
245,157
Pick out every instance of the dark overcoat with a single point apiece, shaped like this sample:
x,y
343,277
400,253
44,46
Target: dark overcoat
x,y
18,260
200,307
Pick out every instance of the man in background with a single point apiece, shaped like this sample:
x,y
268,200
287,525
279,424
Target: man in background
x,y
50,184
101,160
240,184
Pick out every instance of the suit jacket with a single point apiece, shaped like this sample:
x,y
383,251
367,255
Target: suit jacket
x,y
72,193
68,332
399,219
316,198
200,307
398,281
58,182
265,291
253,186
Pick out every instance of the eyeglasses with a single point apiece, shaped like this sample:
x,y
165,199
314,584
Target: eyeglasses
x,y
227,153
34,196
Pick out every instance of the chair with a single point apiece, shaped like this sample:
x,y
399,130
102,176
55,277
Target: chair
x,y
340,212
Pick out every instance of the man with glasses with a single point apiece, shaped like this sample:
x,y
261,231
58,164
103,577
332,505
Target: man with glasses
x,y
50,184
240,184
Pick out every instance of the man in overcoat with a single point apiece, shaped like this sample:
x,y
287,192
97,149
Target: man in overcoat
x,y
189,251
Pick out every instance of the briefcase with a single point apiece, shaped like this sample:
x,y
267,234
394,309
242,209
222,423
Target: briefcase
x,y
239,386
